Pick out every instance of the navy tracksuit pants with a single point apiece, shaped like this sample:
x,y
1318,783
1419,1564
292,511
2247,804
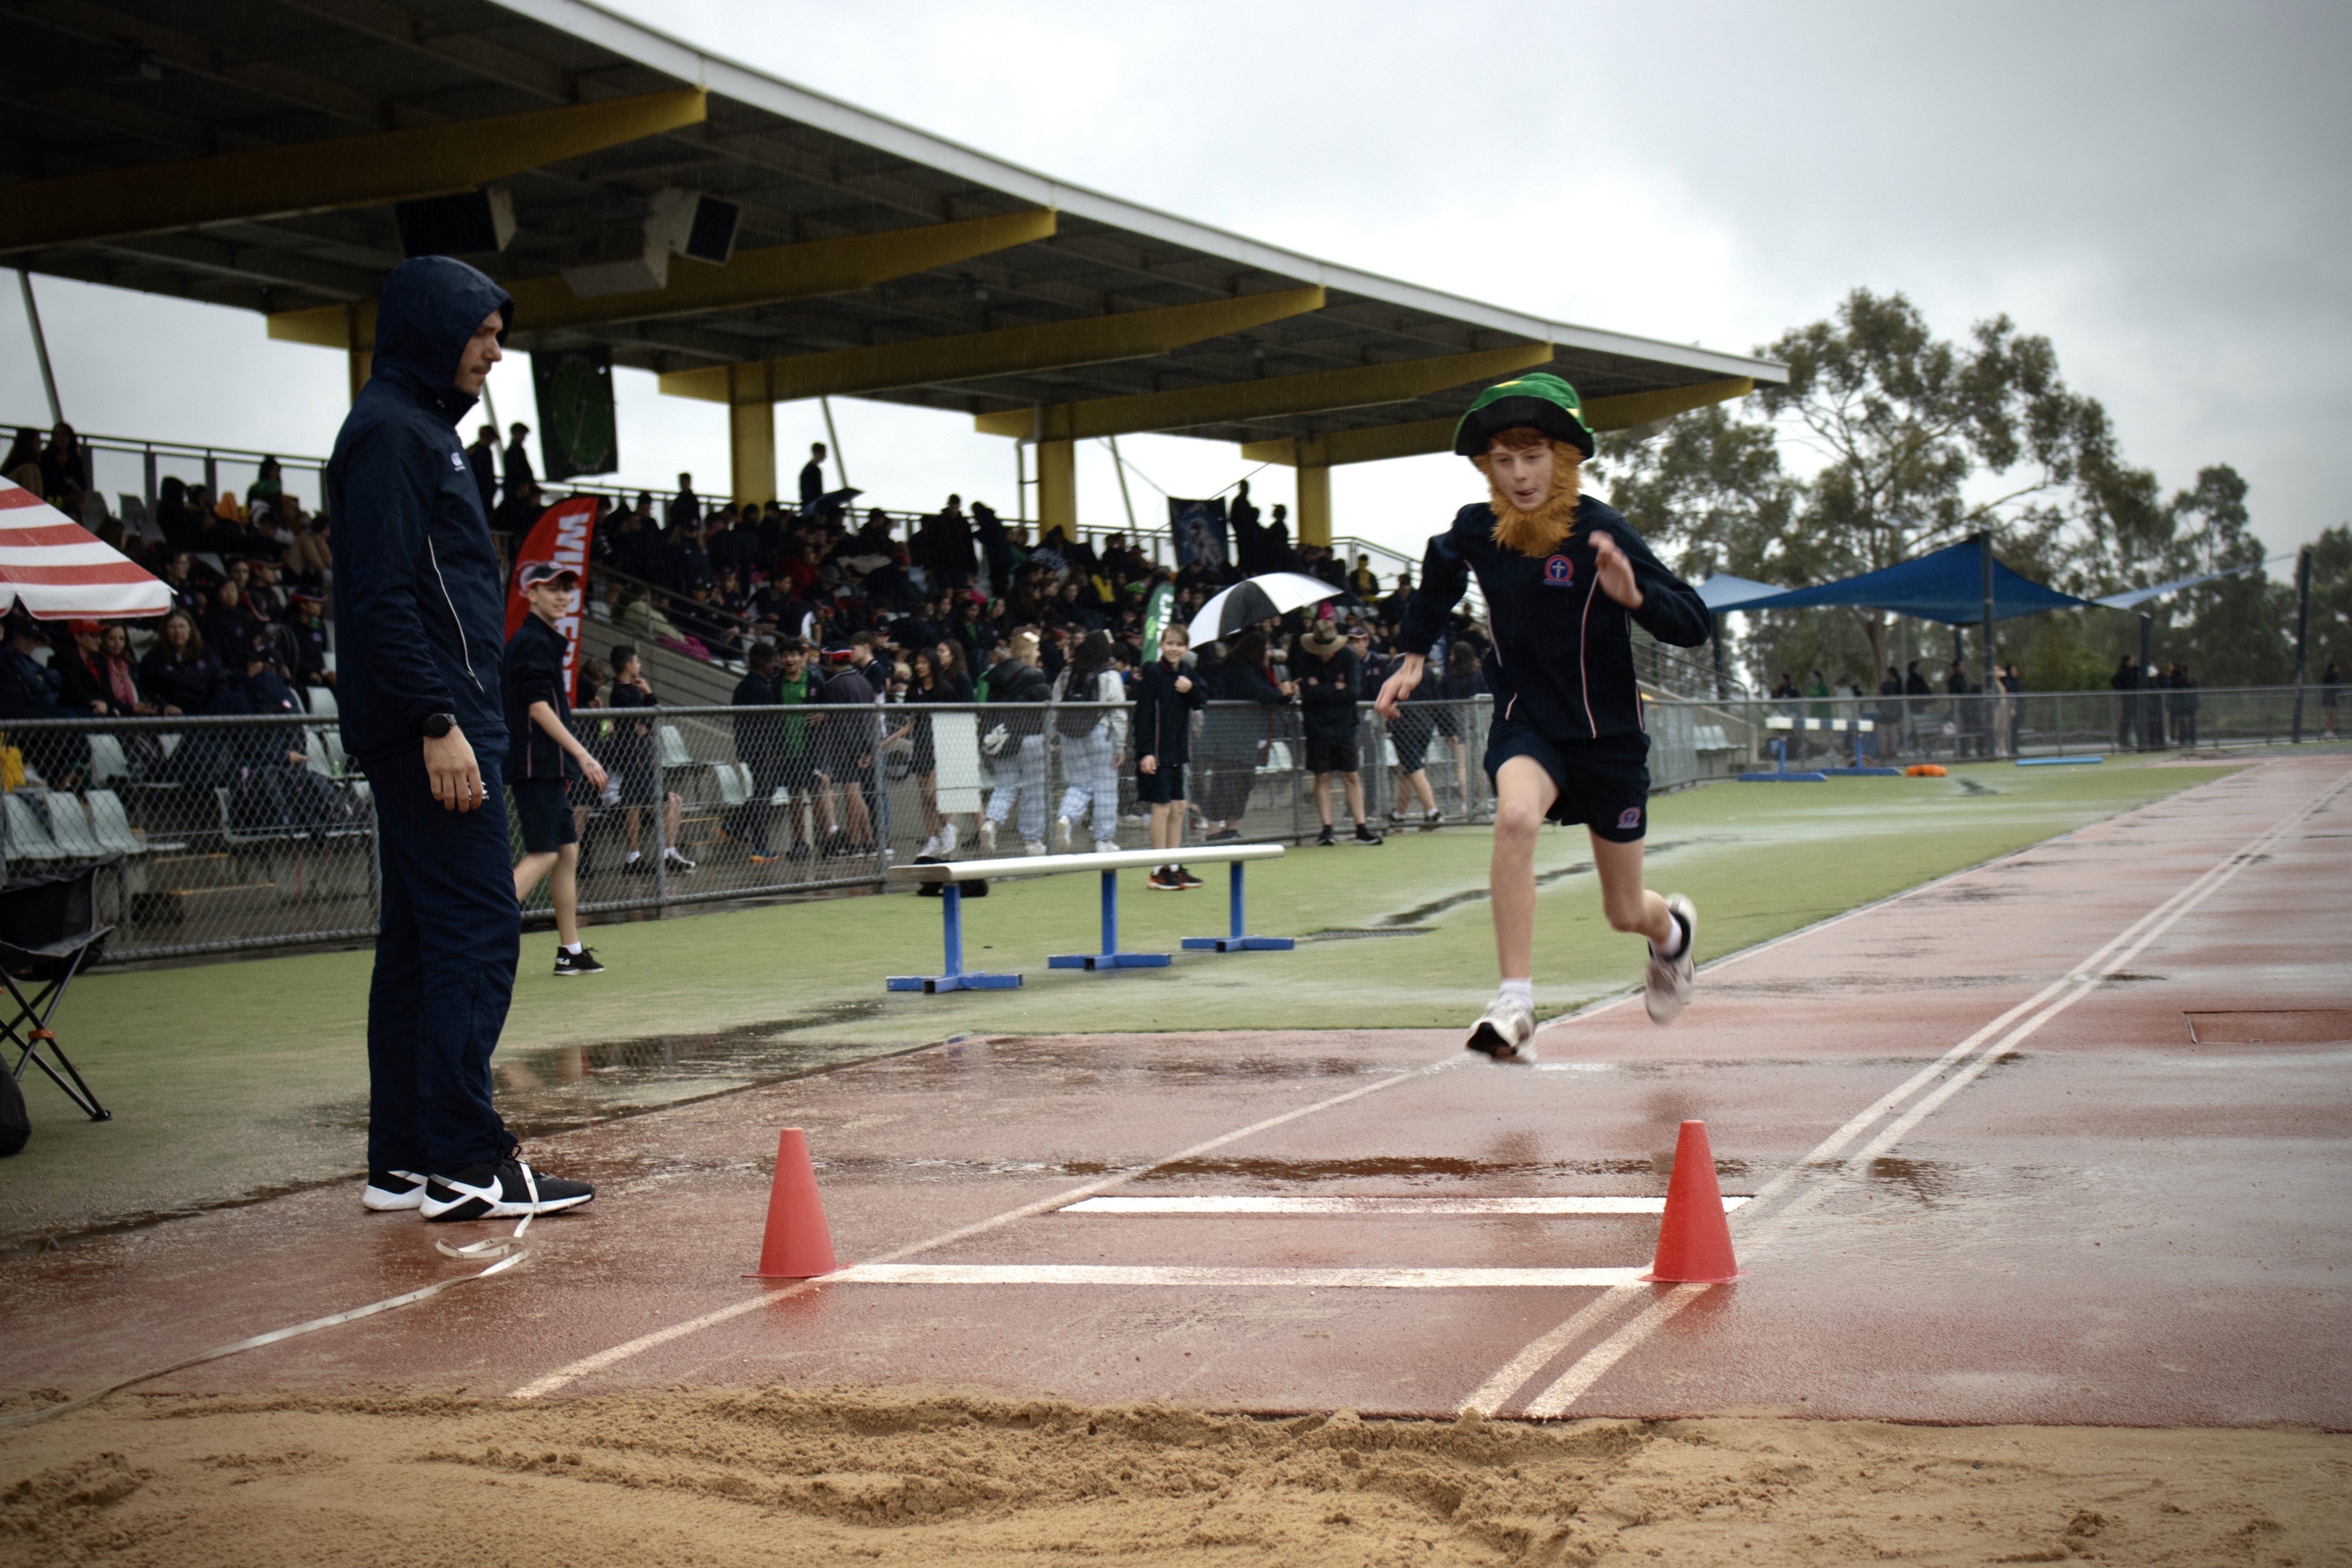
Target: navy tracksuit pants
x,y
450,936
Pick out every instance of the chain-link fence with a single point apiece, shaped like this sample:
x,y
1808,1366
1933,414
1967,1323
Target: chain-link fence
x,y
221,834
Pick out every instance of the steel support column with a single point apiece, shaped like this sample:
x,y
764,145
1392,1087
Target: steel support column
x,y
1057,487
1314,506
751,436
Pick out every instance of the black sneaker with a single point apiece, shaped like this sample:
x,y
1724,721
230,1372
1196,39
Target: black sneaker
x,y
676,861
1225,835
1364,833
1329,836
1184,878
500,1190
800,852
581,963
1433,822
387,1191
1164,880
638,866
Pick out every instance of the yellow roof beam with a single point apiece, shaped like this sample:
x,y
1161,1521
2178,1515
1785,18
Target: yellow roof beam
x,y
1313,393
322,176
1423,436
1010,350
752,278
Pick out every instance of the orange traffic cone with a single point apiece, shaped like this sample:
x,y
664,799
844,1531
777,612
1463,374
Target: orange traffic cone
x,y
797,1246
1693,1240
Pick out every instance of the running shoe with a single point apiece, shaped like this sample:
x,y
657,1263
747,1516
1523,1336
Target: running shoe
x,y
947,840
1105,846
676,861
500,1189
1505,1031
638,866
931,850
581,963
1327,837
388,1192
987,838
1225,835
763,859
1062,833
1668,984
1184,878
1033,846
1364,833
1164,880
1433,822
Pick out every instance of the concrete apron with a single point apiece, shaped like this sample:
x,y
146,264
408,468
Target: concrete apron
x,y
2083,1217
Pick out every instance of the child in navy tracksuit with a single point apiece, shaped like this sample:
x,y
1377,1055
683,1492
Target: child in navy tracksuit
x,y
1166,696
1564,579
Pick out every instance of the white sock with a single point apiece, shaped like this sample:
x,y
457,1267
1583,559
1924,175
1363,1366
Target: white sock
x,y
1681,938
1521,991
570,947
633,853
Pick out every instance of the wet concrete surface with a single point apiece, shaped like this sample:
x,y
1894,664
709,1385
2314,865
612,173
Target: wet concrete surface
x,y
2110,1225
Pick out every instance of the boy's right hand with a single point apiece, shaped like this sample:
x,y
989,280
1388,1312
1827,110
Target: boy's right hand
x,y
1147,764
1183,683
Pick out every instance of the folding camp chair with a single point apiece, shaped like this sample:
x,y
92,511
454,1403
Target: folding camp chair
x,y
49,933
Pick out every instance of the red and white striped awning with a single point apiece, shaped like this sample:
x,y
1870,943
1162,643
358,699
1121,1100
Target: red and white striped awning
x,y
59,570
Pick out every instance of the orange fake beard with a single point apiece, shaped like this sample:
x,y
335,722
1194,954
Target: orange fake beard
x,y
1544,530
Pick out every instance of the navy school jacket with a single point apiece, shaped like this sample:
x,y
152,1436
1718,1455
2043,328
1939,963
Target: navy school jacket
x,y
1563,655
420,600
1163,715
532,671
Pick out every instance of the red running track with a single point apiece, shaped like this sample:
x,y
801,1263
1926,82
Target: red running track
x,y
2062,1139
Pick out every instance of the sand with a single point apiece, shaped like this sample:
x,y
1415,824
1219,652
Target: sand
x,y
926,1476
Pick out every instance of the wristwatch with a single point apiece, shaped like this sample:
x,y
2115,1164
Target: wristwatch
x,y
437,725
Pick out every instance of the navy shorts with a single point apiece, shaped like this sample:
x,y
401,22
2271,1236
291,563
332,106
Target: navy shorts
x,y
797,775
1160,788
1605,785
1330,756
543,815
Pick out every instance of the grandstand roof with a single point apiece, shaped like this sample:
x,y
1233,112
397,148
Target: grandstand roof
x,y
95,89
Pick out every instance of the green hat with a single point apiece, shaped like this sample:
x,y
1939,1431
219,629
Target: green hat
x,y
1538,400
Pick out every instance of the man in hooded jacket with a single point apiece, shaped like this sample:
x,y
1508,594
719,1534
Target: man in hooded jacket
x,y
423,619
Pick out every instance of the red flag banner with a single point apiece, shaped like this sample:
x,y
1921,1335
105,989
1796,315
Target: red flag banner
x,y
560,535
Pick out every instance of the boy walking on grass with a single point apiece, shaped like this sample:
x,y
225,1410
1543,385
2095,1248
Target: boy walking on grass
x,y
1564,579
544,756
1165,700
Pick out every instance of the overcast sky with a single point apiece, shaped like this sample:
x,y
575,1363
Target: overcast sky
x,y
2159,188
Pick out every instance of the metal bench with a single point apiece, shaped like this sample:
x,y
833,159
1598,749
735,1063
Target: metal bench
x,y
947,874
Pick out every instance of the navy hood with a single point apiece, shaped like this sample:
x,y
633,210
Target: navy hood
x,y
430,307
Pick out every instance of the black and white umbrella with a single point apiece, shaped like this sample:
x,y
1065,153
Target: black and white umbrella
x,y
1256,599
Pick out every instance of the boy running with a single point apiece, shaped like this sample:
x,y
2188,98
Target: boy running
x,y
1563,577
1165,698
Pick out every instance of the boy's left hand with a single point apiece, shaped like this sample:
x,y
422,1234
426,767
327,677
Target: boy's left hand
x,y
1616,572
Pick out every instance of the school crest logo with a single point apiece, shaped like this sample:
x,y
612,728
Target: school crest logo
x,y
1630,817
1559,571
458,461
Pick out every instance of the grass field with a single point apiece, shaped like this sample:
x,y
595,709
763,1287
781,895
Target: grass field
x,y
230,1080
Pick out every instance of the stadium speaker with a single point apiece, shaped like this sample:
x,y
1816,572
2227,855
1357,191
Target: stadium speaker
x,y
687,223
471,224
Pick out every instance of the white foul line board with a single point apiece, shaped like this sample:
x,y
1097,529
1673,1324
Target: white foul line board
x,y
1311,1278
1372,1205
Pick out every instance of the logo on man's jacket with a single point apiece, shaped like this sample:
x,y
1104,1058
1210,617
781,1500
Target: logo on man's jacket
x,y
458,461
1559,571
1630,817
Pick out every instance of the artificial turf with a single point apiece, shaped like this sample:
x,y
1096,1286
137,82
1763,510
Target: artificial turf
x,y
232,1080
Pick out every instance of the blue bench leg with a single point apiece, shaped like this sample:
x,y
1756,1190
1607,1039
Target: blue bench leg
x,y
955,978
1236,941
1110,957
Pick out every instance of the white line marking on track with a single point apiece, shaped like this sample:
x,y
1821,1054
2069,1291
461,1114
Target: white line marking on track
x,y
1378,1205
1309,1279
577,1370
2119,950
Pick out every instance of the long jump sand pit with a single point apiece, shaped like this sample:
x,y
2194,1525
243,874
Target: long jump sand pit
x,y
916,1476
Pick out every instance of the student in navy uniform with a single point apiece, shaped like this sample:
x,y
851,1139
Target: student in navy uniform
x,y
305,639
845,746
1564,579
423,613
543,756
636,755
760,747
1166,698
